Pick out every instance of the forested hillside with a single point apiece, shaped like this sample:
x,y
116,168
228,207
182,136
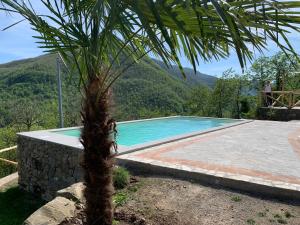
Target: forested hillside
x,y
145,90
28,93
191,78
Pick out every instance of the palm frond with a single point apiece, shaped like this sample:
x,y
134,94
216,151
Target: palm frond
x,y
92,34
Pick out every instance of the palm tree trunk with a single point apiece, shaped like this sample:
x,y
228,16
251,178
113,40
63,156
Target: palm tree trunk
x,y
98,160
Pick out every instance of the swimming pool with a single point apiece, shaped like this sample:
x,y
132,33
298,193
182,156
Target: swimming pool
x,y
144,131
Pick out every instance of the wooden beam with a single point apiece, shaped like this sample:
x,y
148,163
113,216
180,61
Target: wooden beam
x,y
285,98
296,104
275,100
8,149
8,161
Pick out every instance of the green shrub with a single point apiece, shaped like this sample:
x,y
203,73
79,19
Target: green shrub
x,y
10,155
288,214
251,221
7,169
262,214
245,105
236,198
8,137
121,177
115,222
277,216
282,221
120,199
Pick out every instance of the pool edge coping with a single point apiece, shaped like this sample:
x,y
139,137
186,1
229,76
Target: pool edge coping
x,y
73,142
179,137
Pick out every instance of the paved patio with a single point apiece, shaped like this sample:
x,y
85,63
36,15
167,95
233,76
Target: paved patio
x,y
265,153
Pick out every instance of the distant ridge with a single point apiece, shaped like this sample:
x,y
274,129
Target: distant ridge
x,y
191,77
147,88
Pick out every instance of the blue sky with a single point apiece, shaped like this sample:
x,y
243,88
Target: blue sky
x,y
18,43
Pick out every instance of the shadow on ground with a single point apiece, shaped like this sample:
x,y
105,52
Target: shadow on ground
x,y
16,205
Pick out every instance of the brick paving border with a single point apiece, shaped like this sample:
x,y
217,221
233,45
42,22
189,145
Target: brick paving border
x,y
254,185
153,161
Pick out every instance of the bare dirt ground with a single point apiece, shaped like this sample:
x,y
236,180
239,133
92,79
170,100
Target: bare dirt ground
x,y
161,201
165,201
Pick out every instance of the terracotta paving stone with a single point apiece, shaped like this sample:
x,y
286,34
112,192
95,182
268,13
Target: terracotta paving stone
x,y
268,151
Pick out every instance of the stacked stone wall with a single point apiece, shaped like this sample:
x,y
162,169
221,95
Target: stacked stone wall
x,y
45,167
279,114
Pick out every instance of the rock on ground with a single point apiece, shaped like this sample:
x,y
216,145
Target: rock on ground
x,y
64,206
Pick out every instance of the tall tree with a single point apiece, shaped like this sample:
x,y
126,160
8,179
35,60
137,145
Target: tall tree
x,y
222,96
199,101
239,87
282,68
92,34
260,72
25,113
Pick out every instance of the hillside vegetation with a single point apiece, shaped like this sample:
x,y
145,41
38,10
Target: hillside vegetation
x,y
147,89
28,93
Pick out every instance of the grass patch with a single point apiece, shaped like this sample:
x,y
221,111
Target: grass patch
x,y
288,214
10,155
251,221
262,214
282,221
115,222
133,188
7,169
121,178
16,206
236,198
120,198
277,216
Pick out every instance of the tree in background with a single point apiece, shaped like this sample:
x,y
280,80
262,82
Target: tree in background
x,y
25,113
283,68
8,137
240,85
293,81
222,95
91,35
280,68
260,72
5,117
72,111
231,97
199,101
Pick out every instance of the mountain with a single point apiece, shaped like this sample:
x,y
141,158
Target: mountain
x,y
147,89
192,78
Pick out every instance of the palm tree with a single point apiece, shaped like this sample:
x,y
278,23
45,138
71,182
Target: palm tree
x,y
100,39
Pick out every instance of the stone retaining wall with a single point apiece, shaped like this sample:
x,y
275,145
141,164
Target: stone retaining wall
x,y
279,114
45,167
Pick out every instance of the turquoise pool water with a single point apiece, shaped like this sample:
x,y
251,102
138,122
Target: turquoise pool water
x,y
140,132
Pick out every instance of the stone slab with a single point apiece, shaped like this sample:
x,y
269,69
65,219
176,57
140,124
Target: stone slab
x,y
53,213
73,192
7,180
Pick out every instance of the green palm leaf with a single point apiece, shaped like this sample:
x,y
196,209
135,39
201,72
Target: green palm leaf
x,y
97,30
100,39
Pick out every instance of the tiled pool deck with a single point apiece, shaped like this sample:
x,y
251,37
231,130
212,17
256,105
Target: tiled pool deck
x,y
260,155
71,141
